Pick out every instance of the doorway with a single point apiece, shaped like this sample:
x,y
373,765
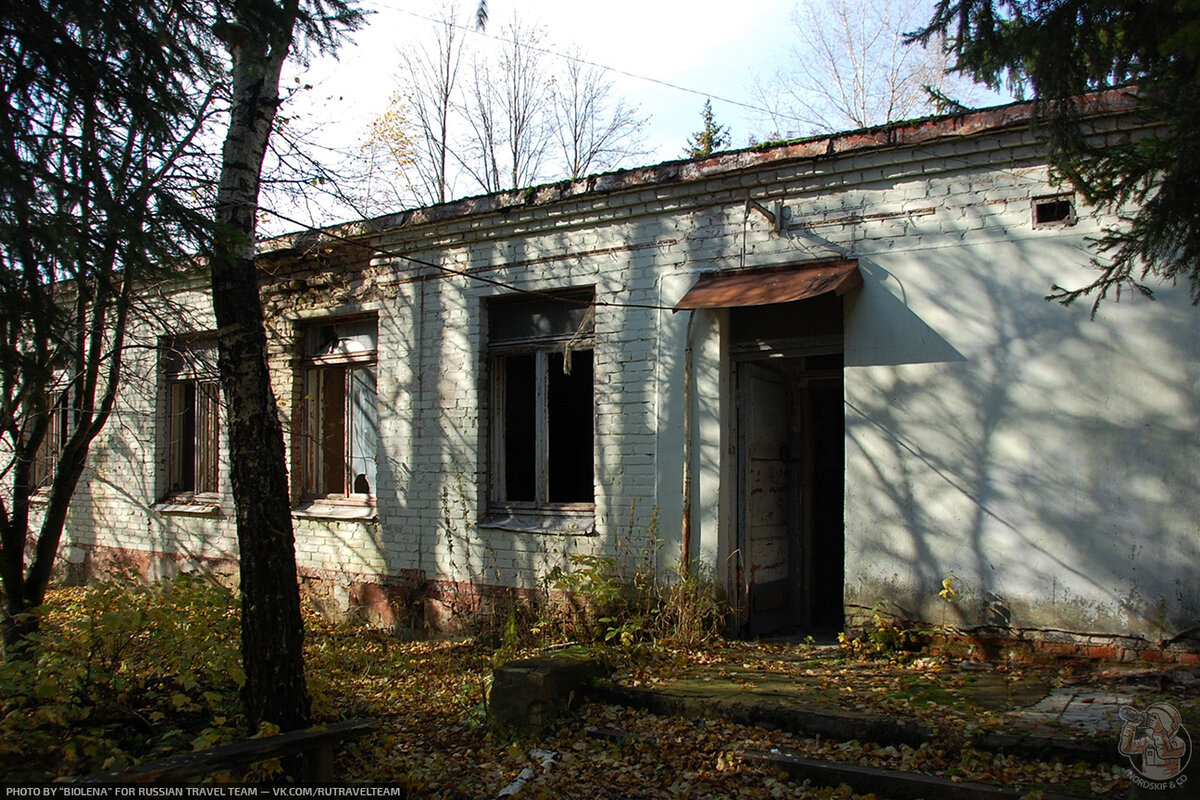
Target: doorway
x,y
791,470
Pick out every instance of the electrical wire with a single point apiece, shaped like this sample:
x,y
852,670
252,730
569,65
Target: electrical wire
x,y
381,251
598,65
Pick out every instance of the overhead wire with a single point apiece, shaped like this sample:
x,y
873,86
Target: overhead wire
x,y
462,273
472,30
588,62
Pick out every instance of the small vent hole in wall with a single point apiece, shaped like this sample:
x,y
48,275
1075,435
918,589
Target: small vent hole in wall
x,y
1058,210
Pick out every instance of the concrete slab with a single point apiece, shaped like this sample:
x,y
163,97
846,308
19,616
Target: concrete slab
x,y
530,695
1087,711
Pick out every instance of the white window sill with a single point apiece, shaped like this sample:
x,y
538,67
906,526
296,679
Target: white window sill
x,y
553,522
188,509
319,509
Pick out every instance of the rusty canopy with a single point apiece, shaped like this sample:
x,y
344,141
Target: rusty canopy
x,y
760,287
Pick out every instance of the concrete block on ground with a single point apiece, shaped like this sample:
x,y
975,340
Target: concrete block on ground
x,y
530,695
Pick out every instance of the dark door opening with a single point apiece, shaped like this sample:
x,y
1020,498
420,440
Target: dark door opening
x,y
791,441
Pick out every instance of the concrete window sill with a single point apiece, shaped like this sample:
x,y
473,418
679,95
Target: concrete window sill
x,y
189,509
318,509
556,523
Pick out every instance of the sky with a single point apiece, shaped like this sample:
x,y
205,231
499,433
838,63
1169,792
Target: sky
x,y
710,48
665,57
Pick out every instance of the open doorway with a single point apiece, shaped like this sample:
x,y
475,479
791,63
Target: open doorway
x,y
791,468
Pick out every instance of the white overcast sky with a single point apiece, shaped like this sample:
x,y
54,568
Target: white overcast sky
x,y
707,46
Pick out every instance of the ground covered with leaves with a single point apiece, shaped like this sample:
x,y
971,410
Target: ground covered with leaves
x,y
125,674
609,751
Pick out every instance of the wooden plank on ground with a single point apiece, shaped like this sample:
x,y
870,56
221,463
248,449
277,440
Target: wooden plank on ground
x,y
890,783
189,765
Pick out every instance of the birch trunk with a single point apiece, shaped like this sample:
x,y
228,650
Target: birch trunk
x,y
272,628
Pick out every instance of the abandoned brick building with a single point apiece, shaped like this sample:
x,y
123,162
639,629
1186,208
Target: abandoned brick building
x,y
826,367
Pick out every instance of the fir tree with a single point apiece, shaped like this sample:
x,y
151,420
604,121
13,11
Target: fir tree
x,y
1061,50
711,138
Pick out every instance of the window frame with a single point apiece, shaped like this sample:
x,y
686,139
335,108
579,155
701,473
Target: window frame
x,y
315,369
193,425
49,450
542,347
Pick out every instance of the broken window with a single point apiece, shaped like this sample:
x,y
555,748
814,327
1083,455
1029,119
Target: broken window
x,y
1053,210
49,451
193,417
542,400
341,419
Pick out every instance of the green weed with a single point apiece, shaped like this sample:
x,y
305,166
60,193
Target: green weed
x,y
122,671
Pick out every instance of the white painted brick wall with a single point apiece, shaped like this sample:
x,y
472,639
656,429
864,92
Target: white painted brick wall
x,y
921,220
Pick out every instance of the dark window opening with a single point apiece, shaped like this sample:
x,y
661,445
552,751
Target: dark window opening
x,y
1051,210
193,418
520,425
569,408
542,439
195,437
185,480
49,451
332,429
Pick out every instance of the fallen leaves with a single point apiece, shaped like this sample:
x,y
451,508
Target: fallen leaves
x,y
430,699
439,742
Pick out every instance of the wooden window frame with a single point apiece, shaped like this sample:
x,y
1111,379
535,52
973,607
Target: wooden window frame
x,y
49,451
317,485
193,426
542,349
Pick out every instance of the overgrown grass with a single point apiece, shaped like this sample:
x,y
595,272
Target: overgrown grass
x,y
122,672
603,605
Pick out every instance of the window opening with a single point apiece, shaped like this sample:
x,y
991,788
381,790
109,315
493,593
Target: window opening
x,y
570,412
543,401
193,415
341,410
49,451
1058,210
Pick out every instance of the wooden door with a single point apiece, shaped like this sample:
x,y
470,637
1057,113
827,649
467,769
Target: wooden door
x,y
767,507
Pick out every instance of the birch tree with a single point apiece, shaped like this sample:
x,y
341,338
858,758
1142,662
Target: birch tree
x,y
507,111
595,130
524,100
852,66
259,35
499,115
430,74
479,156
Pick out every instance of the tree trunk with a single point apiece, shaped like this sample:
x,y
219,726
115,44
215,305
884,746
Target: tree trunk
x,y
272,628
97,365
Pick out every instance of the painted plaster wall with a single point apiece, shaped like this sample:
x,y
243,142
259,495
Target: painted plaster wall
x,y
1043,460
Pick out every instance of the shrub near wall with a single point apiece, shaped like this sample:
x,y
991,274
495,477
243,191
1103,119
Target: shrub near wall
x,y
122,671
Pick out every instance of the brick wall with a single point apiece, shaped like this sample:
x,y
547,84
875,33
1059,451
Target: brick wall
x,y
956,372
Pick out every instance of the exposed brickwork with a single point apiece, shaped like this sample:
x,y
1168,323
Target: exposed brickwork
x,y
959,381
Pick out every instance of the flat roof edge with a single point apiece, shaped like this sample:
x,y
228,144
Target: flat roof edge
x,y
898,134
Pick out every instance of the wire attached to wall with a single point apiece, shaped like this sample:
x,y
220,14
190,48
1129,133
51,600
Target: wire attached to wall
x,y
381,251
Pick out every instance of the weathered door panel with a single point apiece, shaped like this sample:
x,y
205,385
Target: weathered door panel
x,y
766,509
